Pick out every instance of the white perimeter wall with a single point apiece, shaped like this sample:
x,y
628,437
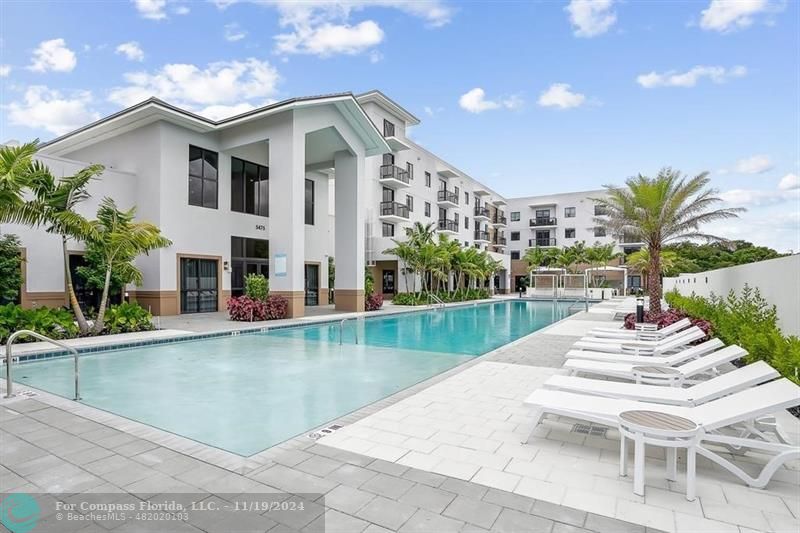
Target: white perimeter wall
x,y
778,280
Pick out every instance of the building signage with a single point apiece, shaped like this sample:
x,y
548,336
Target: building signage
x,y
280,265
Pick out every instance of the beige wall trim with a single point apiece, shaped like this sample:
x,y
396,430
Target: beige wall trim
x,y
30,300
161,303
350,300
297,302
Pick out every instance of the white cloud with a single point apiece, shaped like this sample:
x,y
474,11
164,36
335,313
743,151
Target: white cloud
x,y
691,77
432,111
590,18
217,112
151,9
763,226
375,56
53,55
757,164
5,70
181,10
727,15
758,197
330,39
234,33
235,84
789,182
475,101
48,109
131,50
558,95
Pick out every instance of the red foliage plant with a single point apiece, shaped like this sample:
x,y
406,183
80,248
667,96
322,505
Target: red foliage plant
x,y
665,318
277,307
246,309
374,302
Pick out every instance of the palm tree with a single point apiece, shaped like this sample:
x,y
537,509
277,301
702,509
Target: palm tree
x,y
406,254
18,171
600,255
659,210
640,260
120,240
420,233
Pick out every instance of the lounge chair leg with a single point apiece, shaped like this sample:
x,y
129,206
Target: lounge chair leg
x,y
672,464
638,464
623,456
691,472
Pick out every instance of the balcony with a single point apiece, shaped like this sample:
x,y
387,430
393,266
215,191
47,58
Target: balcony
x,y
447,226
542,222
481,213
393,212
447,198
500,221
482,236
394,142
394,176
499,241
542,243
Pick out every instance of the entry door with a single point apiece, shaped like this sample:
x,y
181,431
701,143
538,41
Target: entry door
x,y
312,284
199,293
388,282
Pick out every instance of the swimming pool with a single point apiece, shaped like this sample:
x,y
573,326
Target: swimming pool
x,y
248,392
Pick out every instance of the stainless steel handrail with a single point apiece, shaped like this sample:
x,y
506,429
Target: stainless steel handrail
x,y
436,300
341,327
14,336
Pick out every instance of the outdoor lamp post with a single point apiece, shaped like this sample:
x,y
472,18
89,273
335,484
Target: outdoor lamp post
x,y
640,309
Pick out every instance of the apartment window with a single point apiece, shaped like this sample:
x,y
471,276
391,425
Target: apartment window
x,y
455,219
310,202
249,187
410,169
514,254
569,212
599,232
427,209
202,177
542,213
428,179
466,243
388,128
388,229
388,159
466,222
514,235
455,190
410,203
442,185
466,198
600,210
514,216
569,233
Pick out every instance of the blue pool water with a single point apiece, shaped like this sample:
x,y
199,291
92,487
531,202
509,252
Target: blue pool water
x,y
248,392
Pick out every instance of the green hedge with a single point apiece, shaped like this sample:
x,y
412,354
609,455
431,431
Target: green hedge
x,y
55,323
421,298
749,321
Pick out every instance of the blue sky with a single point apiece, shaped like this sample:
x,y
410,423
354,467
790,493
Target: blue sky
x,y
530,97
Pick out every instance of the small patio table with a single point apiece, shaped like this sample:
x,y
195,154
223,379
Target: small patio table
x,y
657,375
660,429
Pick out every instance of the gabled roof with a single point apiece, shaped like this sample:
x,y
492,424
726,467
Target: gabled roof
x,y
154,109
386,102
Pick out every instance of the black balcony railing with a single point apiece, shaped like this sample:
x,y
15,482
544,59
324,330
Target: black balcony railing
x,y
481,212
395,172
394,208
499,241
481,235
543,221
541,242
500,219
447,225
447,196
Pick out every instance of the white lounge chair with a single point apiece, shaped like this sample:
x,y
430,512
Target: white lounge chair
x,y
705,391
686,354
740,408
643,334
676,376
641,347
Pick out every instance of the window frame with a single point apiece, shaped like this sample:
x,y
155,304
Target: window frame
x,y
428,179
512,236
600,231
313,202
202,178
427,209
515,252
567,233
388,128
514,216
410,203
384,227
569,212
257,206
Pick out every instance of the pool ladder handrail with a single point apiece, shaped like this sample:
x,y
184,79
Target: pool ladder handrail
x,y
9,358
341,327
438,301
585,304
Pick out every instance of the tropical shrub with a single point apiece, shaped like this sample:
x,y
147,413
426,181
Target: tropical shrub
x,y
246,309
10,269
373,302
421,298
56,323
127,318
277,307
749,321
664,318
256,286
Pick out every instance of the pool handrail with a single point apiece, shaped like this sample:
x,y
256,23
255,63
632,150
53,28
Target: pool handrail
x,y
9,359
438,301
341,326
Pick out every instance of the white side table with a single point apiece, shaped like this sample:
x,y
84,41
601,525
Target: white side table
x,y
657,375
660,429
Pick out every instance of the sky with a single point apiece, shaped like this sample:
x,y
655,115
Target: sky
x,y
528,97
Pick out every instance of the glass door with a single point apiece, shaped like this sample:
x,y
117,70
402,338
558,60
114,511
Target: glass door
x,y
312,284
388,282
199,293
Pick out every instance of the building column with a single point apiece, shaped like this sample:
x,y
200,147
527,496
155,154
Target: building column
x,y
349,231
286,216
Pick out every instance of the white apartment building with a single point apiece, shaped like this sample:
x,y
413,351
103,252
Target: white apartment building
x,y
280,190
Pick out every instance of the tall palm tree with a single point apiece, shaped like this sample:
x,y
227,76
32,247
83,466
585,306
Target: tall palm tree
x,y
659,210
640,260
120,240
420,233
600,255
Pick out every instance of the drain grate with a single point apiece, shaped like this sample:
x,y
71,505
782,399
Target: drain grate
x,y
590,429
324,432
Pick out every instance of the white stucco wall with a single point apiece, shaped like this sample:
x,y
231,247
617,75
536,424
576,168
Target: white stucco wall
x,y
778,280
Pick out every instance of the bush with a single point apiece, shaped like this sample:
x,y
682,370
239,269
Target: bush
x,y
421,298
56,323
670,316
127,318
749,321
10,269
256,286
373,302
246,309
277,307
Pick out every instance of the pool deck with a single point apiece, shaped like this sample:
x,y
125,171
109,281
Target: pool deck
x,y
443,455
